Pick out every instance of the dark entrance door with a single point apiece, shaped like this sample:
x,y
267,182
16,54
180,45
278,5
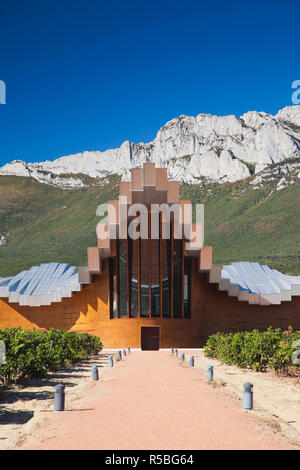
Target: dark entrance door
x,y
150,338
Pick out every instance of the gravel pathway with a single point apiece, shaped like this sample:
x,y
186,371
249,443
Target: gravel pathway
x,y
151,401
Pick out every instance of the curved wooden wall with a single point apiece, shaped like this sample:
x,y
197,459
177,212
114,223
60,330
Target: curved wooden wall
x,y
212,311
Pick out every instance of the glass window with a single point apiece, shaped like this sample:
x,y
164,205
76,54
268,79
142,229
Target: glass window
x,y
166,278
113,289
123,277
144,263
136,287
187,288
177,278
133,276
155,279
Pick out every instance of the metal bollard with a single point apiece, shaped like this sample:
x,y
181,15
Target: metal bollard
x,y
176,352
128,350
120,355
248,396
210,373
172,351
111,361
124,352
95,375
182,357
59,398
191,362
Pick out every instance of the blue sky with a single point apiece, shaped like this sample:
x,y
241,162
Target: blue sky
x,y
87,75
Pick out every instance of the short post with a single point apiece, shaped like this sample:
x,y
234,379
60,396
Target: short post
x,y
2,352
210,373
95,375
124,352
182,357
248,396
176,352
172,351
120,355
128,350
59,398
111,361
191,361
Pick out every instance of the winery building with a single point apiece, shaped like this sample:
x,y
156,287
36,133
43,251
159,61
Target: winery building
x,y
155,290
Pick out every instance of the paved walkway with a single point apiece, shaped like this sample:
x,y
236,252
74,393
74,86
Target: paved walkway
x,y
150,401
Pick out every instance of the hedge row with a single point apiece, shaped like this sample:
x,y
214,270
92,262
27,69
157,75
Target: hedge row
x,y
271,349
32,353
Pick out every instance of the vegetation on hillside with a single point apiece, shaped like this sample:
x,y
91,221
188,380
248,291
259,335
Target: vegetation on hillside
x,y
42,223
242,222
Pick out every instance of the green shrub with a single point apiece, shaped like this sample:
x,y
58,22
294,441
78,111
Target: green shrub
x,y
32,353
271,349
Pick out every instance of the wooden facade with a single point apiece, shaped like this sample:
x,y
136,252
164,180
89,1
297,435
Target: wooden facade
x,y
211,311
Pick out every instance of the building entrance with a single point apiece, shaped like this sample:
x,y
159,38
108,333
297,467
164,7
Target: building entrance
x,y
150,338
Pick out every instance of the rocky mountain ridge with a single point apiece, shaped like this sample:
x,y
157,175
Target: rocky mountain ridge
x,y
202,148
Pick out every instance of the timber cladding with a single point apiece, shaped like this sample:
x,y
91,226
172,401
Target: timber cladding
x,y
211,311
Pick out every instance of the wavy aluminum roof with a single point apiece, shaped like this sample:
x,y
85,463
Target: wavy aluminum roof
x,y
50,282
41,285
253,279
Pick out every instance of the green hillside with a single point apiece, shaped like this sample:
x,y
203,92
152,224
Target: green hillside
x,y
42,223
246,224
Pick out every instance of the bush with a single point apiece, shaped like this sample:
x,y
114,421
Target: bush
x,y
271,349
32,353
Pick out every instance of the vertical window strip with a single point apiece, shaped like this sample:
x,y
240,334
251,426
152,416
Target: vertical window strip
x,y
123,277
144,289
128,291
172,267
118,278
187,288
133,277
155,278
160,266
166,278
139,275
177,278
113,287
149,258
182,276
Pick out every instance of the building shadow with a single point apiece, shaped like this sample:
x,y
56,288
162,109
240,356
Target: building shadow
x,y
66,313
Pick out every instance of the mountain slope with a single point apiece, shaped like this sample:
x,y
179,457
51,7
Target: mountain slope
x,y
42,223
250,220
217,148
244,222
